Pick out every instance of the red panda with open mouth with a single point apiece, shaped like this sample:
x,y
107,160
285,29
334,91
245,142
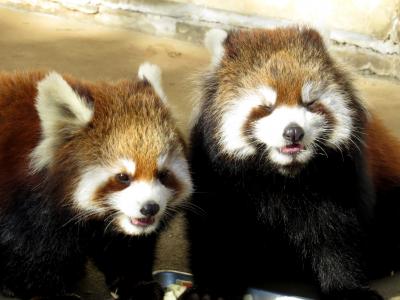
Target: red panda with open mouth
x,y
87,169
296,178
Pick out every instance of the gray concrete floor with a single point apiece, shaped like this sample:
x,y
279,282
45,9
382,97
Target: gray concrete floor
x,y
31,41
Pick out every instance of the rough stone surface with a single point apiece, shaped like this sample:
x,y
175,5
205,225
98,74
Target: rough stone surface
x,y
365,32
368,62
368,17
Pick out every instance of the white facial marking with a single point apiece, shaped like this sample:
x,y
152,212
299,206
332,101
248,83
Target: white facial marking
x,y
129,165
91,179
94,177
54,98
152,73
213,41
269,130
336,103
162,161
179,167
269,95
236,114
311,91
130,201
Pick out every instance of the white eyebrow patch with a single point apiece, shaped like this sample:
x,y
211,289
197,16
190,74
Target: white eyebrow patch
x,y
129,165
311,91
336,103
161,161
268,93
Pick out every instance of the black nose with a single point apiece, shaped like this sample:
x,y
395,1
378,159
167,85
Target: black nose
x,y
150,209
293,133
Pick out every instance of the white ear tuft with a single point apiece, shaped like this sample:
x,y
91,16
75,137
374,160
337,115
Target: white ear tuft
x,y
152,73
213,41
56,97
62,113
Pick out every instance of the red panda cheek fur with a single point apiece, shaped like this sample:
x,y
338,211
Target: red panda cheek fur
x,y
45,237
330,222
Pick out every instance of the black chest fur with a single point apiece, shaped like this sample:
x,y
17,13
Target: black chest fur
x,y
279,216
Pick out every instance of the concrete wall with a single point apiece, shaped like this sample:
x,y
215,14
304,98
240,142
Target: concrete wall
x,y
375,18
364,33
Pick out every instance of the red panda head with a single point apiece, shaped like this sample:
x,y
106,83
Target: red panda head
x,y
278,94
112,150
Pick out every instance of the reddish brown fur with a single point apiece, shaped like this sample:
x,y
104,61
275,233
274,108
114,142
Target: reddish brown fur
x,y
16,97
383,154
146,168
244,49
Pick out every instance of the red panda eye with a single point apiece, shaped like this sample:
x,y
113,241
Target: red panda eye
x,y
163,176
123,178
311,103
268,108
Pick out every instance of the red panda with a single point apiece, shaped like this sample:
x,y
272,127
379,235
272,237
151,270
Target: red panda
x,y
296,177
86,170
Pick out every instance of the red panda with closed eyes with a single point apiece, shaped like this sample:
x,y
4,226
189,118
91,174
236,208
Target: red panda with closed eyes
x,y
86,170
295,177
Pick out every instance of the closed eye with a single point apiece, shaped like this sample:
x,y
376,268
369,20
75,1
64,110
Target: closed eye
x,y
311,103
264,110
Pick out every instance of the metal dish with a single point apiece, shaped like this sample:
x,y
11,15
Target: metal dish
x,y
168,277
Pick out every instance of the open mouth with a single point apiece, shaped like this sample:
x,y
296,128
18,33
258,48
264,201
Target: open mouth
x,y
143,222
292,149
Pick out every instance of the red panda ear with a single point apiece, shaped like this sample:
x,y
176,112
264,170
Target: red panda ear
x,y
214,40
152,74
62,113
317,38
